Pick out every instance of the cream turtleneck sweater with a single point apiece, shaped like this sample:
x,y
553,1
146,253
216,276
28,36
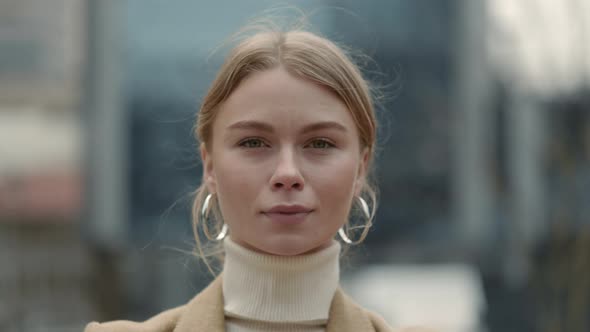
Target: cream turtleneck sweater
x,y
275,293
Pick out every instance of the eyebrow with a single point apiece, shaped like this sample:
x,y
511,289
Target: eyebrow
x,y
250,124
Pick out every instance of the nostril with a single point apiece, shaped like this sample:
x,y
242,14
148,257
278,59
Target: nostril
x,y
296,185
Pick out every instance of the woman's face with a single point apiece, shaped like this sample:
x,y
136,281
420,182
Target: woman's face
x,y
285,164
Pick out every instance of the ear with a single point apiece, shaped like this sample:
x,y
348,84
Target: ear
x,y
361,175
208,171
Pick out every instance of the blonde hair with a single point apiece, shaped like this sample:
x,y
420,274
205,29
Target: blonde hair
x,y
305,55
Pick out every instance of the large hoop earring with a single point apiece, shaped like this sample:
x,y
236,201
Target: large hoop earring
x,y
224,228
367,213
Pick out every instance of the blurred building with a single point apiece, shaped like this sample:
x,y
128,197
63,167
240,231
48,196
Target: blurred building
x,y
483,161
43,260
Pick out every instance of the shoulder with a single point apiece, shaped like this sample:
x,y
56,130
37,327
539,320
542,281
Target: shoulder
x,y
379,324
350,313
205,310
347,315
163,322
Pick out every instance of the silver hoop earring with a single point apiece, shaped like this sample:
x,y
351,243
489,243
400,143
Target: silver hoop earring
x,y
366,212
365,207
224,228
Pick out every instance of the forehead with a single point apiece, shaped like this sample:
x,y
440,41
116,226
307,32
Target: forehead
x,y
277,97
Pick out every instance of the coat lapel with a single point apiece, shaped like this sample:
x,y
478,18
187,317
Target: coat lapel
x,y
204,313
345,316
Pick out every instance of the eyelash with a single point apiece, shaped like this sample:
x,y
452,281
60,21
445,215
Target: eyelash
x,y
250,140
323,140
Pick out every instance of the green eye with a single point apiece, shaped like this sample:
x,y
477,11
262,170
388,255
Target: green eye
x,y
321,144
252,143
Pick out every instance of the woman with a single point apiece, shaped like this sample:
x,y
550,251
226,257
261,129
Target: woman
x,y
287,135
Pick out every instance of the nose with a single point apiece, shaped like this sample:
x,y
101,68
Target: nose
x,y
287,175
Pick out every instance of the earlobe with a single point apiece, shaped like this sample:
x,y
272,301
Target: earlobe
x,y
358,187
208,172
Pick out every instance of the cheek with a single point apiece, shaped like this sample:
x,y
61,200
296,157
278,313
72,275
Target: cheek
x,y
334,183
237,183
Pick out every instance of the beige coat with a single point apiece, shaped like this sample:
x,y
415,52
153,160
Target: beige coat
x,y
205,313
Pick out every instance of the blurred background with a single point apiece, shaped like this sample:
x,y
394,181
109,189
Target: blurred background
x,y
483,167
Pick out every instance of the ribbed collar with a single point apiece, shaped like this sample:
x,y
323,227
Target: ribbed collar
x,y
279,289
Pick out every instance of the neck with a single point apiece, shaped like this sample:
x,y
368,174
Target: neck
x,y
272,288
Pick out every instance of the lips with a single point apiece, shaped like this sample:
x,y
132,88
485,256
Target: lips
x,y
289,209
288,214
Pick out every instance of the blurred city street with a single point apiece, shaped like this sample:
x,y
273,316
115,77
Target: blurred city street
x,y
483,159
